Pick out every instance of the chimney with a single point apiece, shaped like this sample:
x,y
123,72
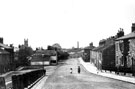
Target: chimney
x,y
133,27
1,40
91,44
11,45
102,42
120,33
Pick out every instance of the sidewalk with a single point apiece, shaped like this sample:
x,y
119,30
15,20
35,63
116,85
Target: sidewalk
x,y
40,83
91,68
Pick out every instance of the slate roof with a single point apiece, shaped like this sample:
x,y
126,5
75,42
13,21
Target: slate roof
x,y
89,47
75,50
103,47
4,46
128,36
46,52
3,51
98,48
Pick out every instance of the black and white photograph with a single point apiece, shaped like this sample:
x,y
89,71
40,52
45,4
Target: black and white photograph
x,y
67,44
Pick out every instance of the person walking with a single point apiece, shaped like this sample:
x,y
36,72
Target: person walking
x,y
79,69
71,70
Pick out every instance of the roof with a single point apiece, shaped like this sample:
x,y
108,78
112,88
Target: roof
x,y
3,51
4,46
46,52
107,46
128,36
89,47
103,47
74,50
98,48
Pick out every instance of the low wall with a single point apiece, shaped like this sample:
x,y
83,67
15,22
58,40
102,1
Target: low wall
x,y
25,80
2,83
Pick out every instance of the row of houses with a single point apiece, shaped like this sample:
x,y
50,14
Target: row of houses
x,y
49,56
6,57
116,53
44,57
9,56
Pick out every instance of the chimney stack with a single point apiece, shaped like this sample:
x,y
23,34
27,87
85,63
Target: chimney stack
x,y
1,40
120,33
91,44
133,27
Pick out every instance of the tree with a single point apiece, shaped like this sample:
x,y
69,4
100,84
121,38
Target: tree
x,y
50,48
62,55
23,55
57,46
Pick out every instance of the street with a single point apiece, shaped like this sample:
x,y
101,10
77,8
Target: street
x,y
62,78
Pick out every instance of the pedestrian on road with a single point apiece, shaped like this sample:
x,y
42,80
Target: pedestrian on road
x,y
71,70
79,69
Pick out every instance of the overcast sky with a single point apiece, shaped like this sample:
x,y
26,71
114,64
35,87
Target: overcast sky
x,y
45,22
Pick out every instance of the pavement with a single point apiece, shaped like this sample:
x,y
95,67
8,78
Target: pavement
x,y
92,69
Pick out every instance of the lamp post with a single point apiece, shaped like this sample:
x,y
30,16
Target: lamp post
x,y
43,60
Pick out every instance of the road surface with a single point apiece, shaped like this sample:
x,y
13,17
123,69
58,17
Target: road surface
x,y
62,78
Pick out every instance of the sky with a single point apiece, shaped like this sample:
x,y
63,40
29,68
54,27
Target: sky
x,y
45,22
